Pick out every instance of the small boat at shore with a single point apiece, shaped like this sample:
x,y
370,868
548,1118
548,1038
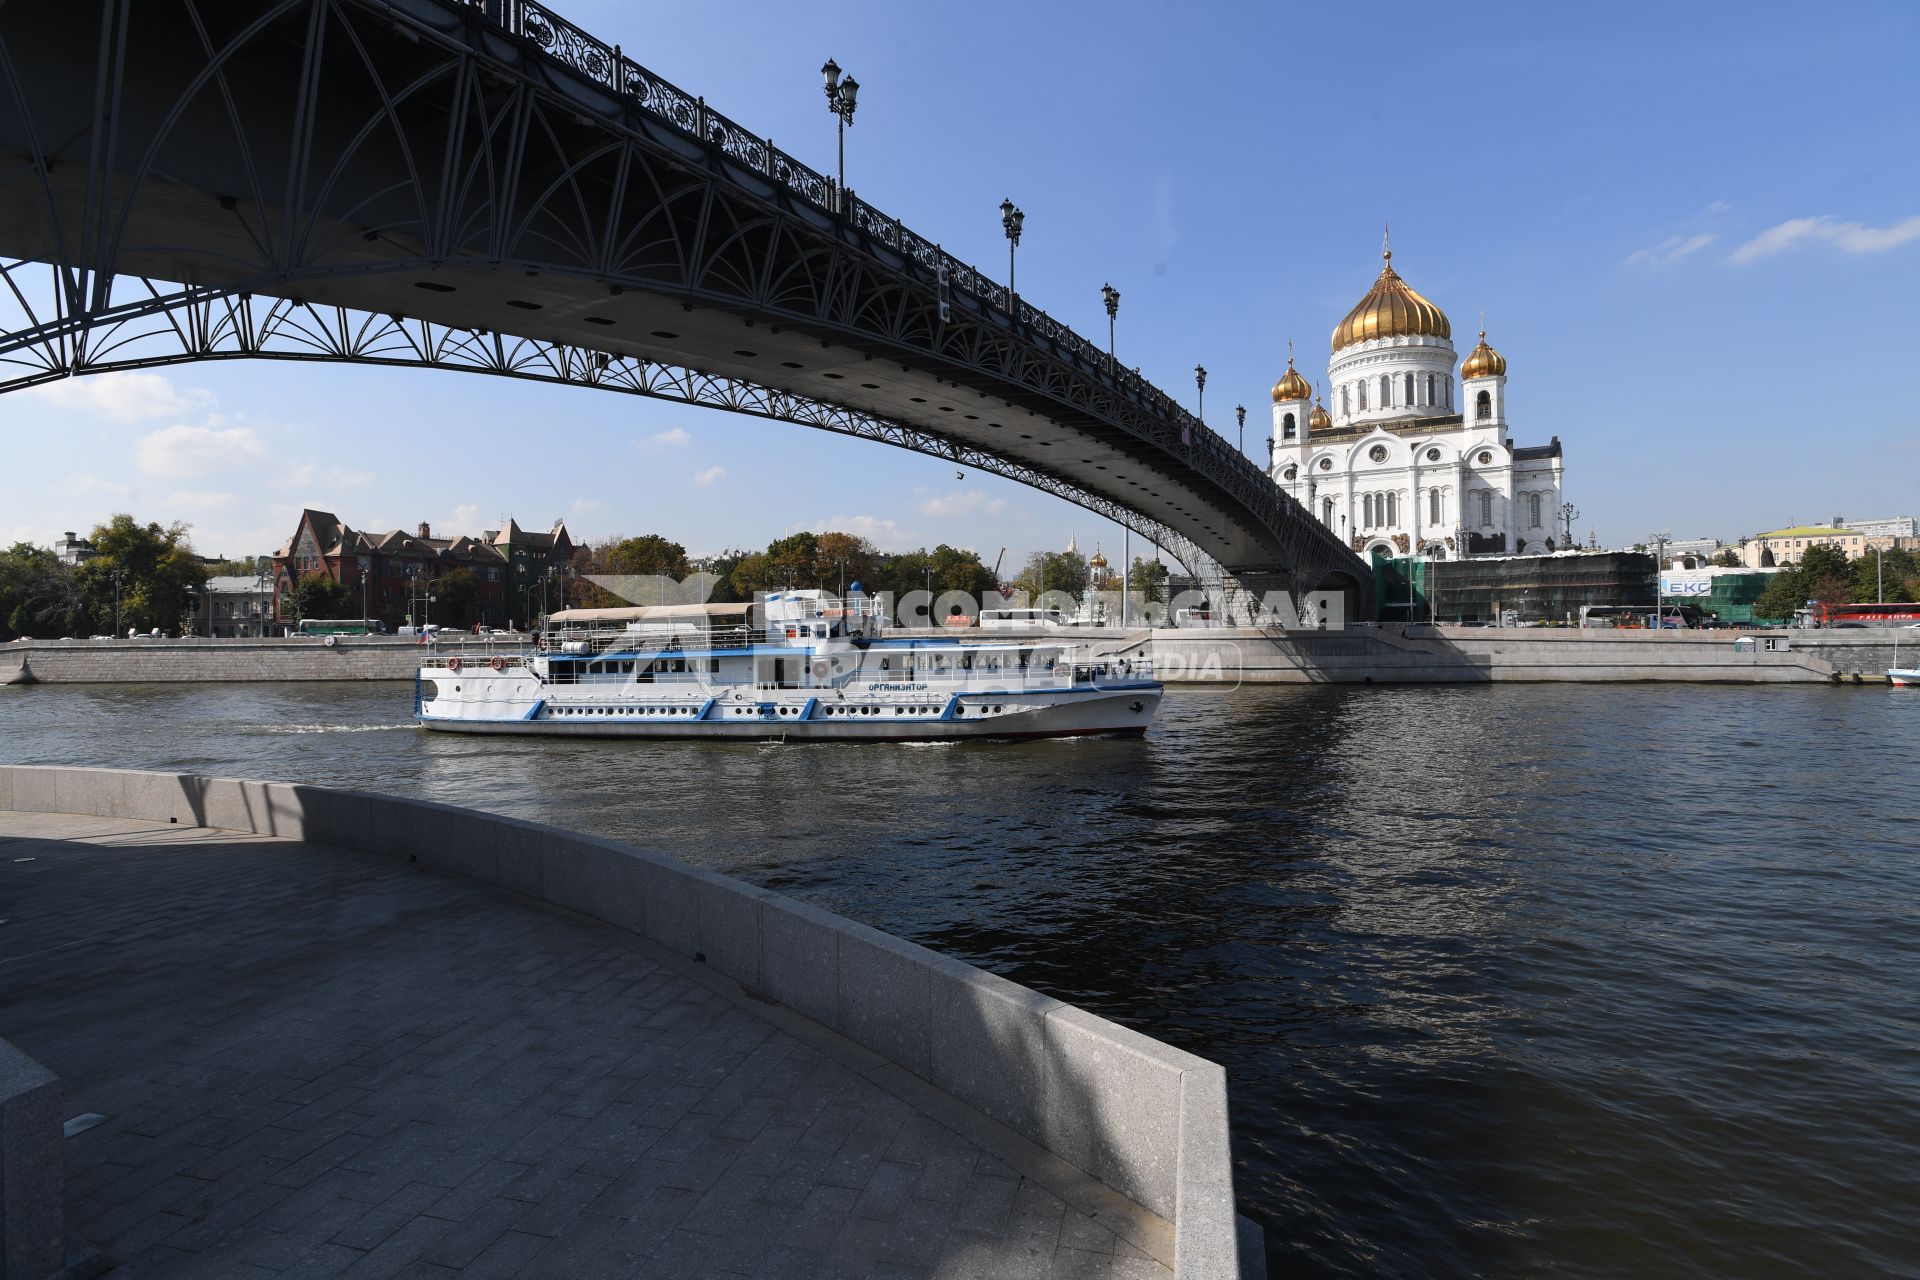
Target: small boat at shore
x,y
798,665
1898,675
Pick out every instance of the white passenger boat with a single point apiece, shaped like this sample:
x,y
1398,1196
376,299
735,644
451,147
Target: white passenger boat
x,y
795,665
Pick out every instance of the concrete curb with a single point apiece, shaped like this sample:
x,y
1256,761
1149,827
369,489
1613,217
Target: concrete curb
x,y
1145,1119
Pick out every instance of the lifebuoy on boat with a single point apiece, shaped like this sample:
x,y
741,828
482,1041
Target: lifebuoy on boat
x,y
453,664
821,669
497,662
331,641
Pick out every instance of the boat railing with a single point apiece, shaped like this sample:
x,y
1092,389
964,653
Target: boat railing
x,y
472,661
565,641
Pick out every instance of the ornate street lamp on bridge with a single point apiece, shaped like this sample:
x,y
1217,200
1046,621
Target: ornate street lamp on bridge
x,y
1011,220
1200,380
1240,413
1111,296
841,96
1568,514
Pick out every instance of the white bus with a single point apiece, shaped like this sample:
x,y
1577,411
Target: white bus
x,y
1021,619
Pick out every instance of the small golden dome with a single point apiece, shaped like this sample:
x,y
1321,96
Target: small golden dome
x,y
1320,419
1098,562
1391,309
1483,362
1291,385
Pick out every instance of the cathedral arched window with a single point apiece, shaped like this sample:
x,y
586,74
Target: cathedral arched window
x,y
1366,511
1483,406
1486,506
1363,396
1446,385
1326,512
1432,399
1409,390
1386,392
1286,426
1433,506
1533,509
1393,508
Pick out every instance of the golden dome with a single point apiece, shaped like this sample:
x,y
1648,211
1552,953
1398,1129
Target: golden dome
x,y
1483,362
1320,419
1291,385
1391,309
1098,562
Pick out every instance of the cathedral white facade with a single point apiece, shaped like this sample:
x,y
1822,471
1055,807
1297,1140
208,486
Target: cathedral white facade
x,y
1409,458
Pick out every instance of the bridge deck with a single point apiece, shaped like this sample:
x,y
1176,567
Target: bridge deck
x,y
317,1062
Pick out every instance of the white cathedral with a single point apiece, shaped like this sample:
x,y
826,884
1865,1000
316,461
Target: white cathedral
x,y
1404,464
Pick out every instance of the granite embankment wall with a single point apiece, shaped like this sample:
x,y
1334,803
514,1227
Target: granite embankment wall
x,y
165,661
1863,654
1467,655
1147,1120
1359,655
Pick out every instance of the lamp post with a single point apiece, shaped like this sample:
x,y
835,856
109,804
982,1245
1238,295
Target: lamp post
x,y
118,574
1011,220
1568,514
1110,296
1659,541
1240,413
1879,577
1200,380
366,563
841,96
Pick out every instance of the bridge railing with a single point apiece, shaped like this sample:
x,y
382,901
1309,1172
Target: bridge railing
x,y
607,66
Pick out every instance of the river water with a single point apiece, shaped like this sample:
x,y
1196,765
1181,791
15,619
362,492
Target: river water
x,y
1509,980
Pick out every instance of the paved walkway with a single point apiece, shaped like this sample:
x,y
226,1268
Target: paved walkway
x,y
315,1062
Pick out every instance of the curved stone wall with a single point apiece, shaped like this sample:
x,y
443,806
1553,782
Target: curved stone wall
x,y
1146,1119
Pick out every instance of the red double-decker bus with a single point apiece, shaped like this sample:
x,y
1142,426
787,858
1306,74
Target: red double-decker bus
x,y
1873,615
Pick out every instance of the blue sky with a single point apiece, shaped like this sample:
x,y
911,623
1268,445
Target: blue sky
x,y
1694,231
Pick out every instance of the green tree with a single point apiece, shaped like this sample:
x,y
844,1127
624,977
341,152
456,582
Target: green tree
x,y
1727,559
316,595
1052,571
1785,592
157,573
649,555
1826,574
844,557
1891,575
1149,577
722,568
457,598
38,595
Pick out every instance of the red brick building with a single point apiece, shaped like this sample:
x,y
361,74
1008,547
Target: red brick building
x,y
516,574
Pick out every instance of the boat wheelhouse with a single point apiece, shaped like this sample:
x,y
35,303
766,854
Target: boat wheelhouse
x,y
796,664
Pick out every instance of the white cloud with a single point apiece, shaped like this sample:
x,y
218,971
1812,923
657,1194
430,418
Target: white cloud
x,y
201,498
967,502
466,518
182,450
585,507
707,475
124,397
1672,249
661,441
1848,237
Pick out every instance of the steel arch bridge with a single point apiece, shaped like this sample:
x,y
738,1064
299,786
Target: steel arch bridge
x,y
478,185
